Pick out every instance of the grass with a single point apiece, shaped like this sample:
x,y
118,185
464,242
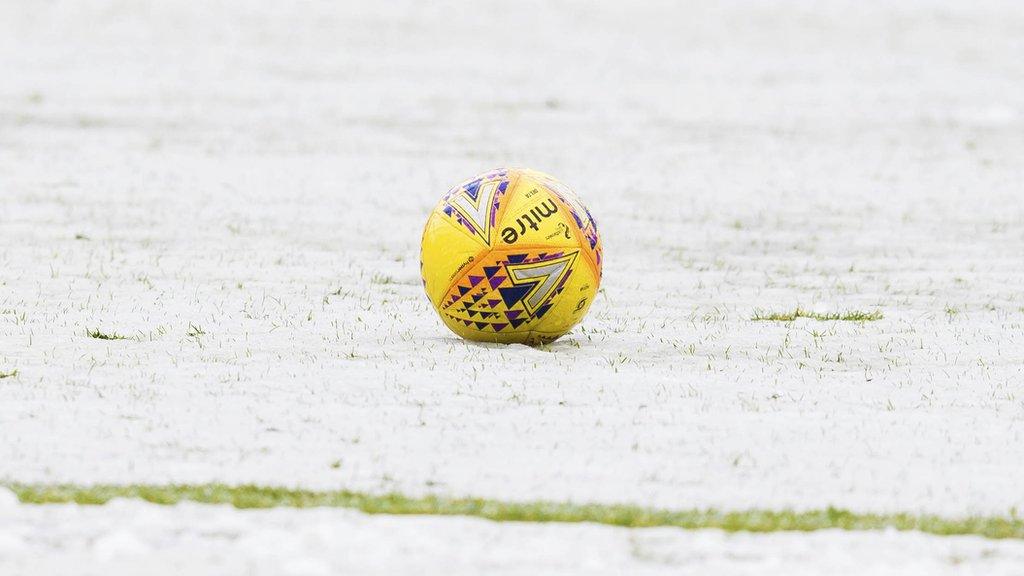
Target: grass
x,y
103,335
11,374
852,316
500,511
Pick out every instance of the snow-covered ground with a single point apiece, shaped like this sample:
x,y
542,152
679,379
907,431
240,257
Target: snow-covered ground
x,y
130,537
240,187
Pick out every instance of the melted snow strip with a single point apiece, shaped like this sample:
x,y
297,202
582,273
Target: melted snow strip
x,y
622,515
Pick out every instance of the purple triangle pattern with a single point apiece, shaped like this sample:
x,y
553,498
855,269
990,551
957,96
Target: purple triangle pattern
x,y
497,304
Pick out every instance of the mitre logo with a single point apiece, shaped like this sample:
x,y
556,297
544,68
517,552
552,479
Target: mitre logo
x,y
528,220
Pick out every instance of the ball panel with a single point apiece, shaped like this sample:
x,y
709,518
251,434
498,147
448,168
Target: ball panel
x,y
572,302
582,220
534,216
473,206
446,253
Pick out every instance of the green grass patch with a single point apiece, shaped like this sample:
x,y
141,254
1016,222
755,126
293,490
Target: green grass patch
x,y
500,511
104,335
11,374
852,316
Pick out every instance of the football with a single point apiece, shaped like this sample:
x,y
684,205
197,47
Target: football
x,y
511,256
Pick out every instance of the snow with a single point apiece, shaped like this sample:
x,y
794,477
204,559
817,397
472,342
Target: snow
x,y
240,187
131,537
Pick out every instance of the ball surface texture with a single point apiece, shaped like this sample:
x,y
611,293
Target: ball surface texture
x,y
511,256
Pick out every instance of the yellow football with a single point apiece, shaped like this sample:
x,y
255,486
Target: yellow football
x,y
511,255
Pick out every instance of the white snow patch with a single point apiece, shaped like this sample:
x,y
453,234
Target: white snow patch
x,y
116,544
8,499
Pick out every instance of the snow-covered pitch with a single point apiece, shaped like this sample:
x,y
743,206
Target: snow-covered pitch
x,y
238,189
